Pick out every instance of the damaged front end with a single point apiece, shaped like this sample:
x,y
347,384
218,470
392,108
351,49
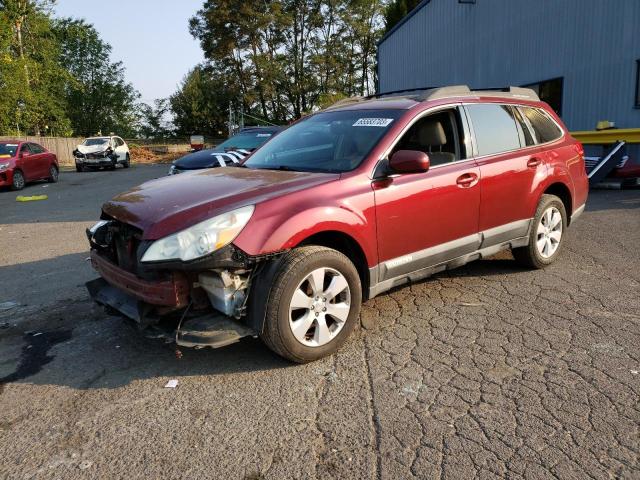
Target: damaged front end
x,y
203,302
95,158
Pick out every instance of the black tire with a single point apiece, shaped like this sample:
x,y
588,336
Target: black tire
x,y
530,256
79,168
127,162
18,180
53,174
294,268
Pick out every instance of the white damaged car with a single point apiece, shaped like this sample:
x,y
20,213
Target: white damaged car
x,y
106,152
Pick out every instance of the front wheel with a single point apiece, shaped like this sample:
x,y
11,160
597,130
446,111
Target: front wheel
x,y
546,236
314,304
127,162
53,174
18,180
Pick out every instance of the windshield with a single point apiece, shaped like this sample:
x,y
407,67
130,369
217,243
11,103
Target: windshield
x,y
89,142
326,142
245,140
8,150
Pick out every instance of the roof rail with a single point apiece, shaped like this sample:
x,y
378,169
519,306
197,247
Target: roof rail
x,y
347,101
435,93
517,92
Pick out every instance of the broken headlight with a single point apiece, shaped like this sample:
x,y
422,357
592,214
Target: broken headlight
x,y
201,239
95,228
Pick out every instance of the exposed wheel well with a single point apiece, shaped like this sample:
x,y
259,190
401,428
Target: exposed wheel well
x,y
346,245
561,191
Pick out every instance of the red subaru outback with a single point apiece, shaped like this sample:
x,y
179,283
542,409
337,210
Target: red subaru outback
x,y
340,207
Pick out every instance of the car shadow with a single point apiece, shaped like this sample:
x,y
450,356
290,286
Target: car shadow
x,y
77,345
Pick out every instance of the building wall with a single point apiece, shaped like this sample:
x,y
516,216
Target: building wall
x,y
593,44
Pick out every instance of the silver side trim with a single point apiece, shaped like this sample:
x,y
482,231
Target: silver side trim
x,y
577,212
504,233
421,264
429,256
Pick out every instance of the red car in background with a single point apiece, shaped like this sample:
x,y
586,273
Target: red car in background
x,y
22,162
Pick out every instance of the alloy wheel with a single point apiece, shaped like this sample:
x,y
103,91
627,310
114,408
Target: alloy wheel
x,y
18,180
53,173
549,232
319,307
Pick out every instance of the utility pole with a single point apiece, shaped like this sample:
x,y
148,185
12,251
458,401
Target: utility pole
x,y
231,119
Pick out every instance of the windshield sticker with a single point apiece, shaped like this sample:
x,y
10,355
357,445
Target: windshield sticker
x,y
11,144
373,122
263,135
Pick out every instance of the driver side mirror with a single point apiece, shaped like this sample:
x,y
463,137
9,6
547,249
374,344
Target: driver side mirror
x,y
409,161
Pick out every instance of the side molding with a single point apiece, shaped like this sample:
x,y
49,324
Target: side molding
x,y
424,263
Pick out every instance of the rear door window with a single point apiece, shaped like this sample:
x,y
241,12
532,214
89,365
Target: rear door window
x,y
543,128
495,128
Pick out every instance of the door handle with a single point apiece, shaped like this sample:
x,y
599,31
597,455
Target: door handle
x,y
467,180
533,162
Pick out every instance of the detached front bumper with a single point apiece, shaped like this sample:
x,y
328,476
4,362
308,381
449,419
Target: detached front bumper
x,y
101,162
93,160
168,293
143,301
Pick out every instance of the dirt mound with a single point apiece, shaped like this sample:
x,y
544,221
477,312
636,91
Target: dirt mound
x,y
145,155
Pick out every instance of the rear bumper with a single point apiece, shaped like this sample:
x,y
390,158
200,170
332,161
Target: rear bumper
x,y
169,293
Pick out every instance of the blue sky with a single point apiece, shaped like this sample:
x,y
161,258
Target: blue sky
x,y
150,37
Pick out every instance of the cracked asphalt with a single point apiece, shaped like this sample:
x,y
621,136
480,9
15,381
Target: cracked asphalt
x,y
487,371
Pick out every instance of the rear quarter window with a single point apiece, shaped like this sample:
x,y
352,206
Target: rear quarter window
x,y
495,128
543,128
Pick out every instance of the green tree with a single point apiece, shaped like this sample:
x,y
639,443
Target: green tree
x,y
97,96
201,104
284,58
396,10
153,121
32,80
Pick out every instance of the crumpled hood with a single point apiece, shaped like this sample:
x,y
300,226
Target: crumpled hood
x,y
170,204
84,149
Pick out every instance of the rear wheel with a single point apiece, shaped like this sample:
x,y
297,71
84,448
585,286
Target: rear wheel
x,y
18,180
53,174
546,236
314,304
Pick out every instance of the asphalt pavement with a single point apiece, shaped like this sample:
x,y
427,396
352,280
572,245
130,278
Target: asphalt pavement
x,y
489,370
43,247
